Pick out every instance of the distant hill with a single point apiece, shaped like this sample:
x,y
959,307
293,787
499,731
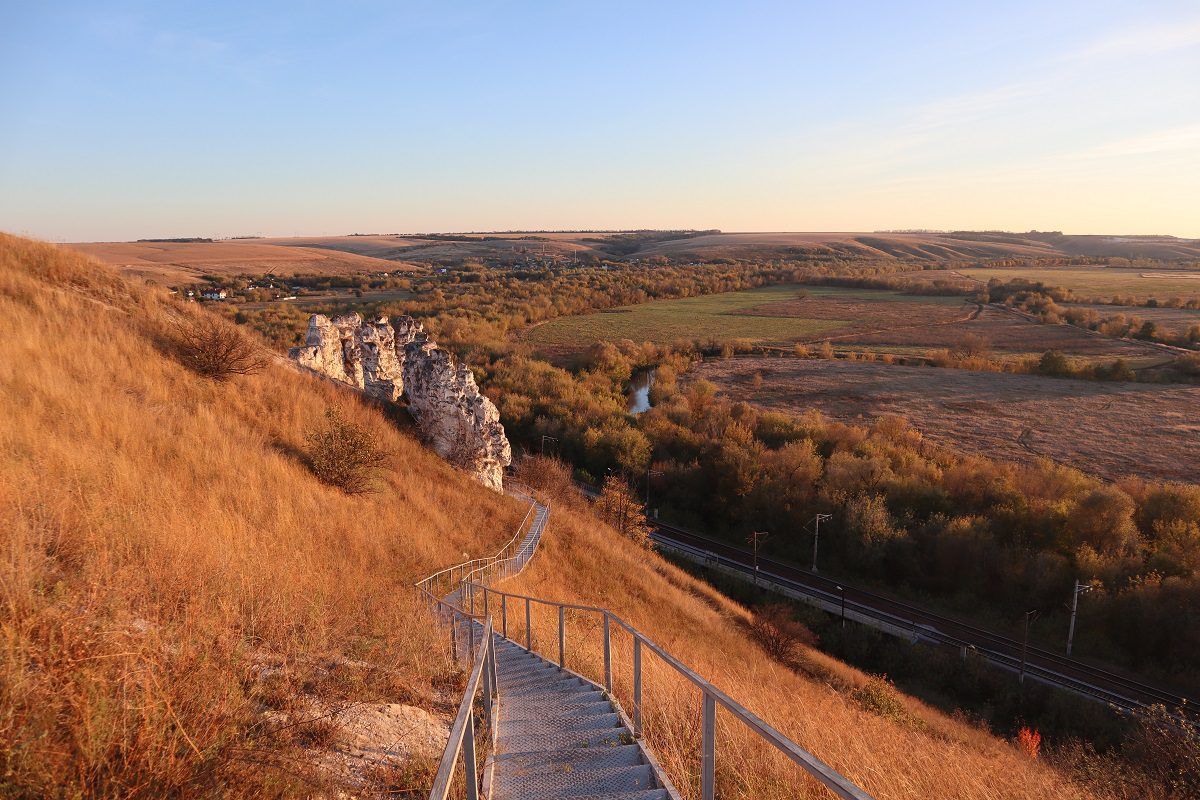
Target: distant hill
x,y
171,262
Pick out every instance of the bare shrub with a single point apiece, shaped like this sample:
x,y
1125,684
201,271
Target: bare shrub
x,y
344,455
618,506
973,346
1168,749
779,634
216,349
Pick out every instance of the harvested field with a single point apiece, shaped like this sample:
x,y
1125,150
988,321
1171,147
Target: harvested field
x,y
171,263
1103,282
1108,429
1007,335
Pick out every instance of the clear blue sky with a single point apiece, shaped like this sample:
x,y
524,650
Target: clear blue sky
x,y
126,120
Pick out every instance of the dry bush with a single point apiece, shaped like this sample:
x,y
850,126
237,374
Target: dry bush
x,y
779,634
344,454
618,506
216,349
1170,751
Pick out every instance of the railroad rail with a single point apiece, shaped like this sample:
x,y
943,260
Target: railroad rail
x,y
1078,676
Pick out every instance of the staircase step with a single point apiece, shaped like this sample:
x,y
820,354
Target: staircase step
x,y
644,794
598,730
573,773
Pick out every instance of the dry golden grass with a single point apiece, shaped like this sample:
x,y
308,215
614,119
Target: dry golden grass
x,y
917,753
163,543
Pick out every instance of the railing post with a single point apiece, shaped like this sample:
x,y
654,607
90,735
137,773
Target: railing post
x,y
637,686
485,602
504,615
708,755
562,636
607,656
469,774
487,680
528,628
471,592
454,634
471,628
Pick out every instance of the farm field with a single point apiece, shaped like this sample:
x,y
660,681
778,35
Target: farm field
x,y
717,316
1102,282
1007,336
1108,429
870,320
171,263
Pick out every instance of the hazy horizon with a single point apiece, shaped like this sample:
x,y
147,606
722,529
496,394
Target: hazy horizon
x,y
128,120
601,231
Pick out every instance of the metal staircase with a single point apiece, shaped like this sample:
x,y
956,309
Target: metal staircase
x,y
553,733
560,736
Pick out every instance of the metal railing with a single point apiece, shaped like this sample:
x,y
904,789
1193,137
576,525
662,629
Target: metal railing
x,y
713,697
442,582
443,592
463,734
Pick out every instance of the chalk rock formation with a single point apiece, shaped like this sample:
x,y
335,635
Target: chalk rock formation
x,y
388,359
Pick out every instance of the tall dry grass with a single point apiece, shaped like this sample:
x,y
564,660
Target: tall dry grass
x,y
170,570
910,751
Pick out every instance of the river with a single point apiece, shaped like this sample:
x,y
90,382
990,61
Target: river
x,y
639,391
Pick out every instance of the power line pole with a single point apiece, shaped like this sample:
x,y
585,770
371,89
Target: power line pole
x,y
1079,589
817,536
754,539
649,472
1030,616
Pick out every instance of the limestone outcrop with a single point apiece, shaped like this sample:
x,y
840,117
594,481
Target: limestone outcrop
x,y
389,359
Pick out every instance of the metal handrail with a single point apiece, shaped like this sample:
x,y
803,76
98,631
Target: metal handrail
x,y
460,743
429,586
713,697
484,657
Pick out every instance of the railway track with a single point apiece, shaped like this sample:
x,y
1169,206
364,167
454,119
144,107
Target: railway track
x,y
1103,684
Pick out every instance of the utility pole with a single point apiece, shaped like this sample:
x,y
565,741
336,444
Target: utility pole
x,y
754,539
817,536
649,472
1030,616
1080,588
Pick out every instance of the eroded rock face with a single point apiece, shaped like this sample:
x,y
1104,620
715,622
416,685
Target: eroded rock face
x,y
387,360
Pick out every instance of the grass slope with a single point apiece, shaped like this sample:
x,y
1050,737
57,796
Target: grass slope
x,y
164,546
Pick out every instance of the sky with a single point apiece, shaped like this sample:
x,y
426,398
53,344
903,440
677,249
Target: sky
x,y
124,120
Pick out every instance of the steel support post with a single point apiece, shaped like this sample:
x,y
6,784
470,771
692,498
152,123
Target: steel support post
x,y
637,686
470,777
562,636
607,656
708,755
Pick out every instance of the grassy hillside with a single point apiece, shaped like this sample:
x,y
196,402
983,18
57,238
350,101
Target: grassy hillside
x,y
165,547
179,590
